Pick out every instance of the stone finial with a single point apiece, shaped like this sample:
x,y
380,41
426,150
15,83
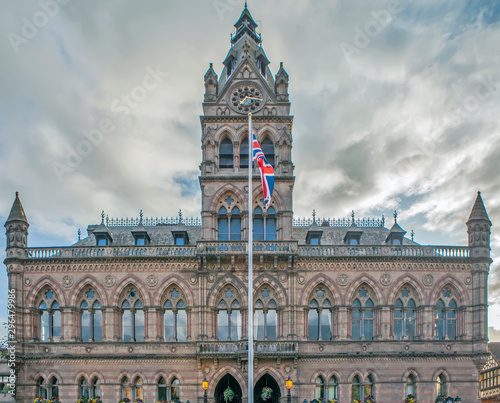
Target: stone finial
x,y
412,233
79,234
102,216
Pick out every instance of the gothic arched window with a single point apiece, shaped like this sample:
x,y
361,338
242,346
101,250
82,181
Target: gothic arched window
x,y
42,388
445,323
226,154
162,390
405,316
84,389
268,150
175,317
49,317
90,317
132,317
54,388
175,393
411,386
319,389
320,316
333,388
362,316
368,387
95,388
229,316
244,153
441,386
265,316
264,224
356,389
229,222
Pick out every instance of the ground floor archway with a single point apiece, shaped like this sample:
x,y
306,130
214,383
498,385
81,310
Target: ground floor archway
x,y
228,381
267,380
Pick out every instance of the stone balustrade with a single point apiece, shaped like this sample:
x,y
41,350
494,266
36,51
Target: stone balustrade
x,y
204,248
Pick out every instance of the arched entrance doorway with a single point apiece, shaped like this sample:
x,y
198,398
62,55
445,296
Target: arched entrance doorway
x,y
228,381
267,381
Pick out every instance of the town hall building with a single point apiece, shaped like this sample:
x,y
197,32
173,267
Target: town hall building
x,y
147,308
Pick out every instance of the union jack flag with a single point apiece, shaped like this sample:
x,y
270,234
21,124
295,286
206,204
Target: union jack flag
x,y
266,171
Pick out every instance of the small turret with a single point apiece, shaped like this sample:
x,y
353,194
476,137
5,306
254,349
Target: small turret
x,y
282,79
478,228
211,85
16,229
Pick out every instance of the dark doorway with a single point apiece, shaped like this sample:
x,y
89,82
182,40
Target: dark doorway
x,y
267,380
227,381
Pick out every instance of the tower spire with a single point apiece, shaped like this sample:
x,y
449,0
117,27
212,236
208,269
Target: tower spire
x,y
17,211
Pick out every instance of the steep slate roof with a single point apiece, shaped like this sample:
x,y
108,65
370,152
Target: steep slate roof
x,y
17,211
162,234
478,210
495,351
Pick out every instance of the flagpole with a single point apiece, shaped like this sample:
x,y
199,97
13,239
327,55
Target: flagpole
x,y
250,261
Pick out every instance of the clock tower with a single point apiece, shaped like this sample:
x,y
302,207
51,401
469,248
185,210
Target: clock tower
x,y
224,168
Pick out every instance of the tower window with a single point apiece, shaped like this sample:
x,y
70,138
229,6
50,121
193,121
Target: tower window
x,y
244,154
264,224
268,150
226,154
229,224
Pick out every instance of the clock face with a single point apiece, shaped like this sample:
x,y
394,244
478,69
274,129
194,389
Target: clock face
x,y
246,98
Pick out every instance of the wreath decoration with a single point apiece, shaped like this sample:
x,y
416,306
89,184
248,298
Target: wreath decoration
x,y
266,393
228,394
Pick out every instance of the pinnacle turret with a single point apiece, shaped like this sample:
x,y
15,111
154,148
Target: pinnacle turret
x,y
478,210
17,212
17,228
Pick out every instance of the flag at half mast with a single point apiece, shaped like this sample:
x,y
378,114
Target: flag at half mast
x,y
266,171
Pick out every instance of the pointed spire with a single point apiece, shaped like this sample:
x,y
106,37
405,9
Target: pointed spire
x,y
17,212
478,210
246,24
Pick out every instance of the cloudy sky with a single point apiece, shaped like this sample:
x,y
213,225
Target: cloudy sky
x,y
395,102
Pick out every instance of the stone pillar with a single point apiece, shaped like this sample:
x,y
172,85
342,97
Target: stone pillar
x,y
344,331
386,323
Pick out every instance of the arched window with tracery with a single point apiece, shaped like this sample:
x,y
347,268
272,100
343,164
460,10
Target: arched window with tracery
x,y
267,147
405,315
265,315
229,315
49,317
132,316
264,224
175,316
363,315
320,315
445,322
90,316
229,220
226,154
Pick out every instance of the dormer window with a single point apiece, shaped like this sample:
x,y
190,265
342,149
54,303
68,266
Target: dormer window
x,y
102,240
140,240
314,237
141,237
353,236
180,237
